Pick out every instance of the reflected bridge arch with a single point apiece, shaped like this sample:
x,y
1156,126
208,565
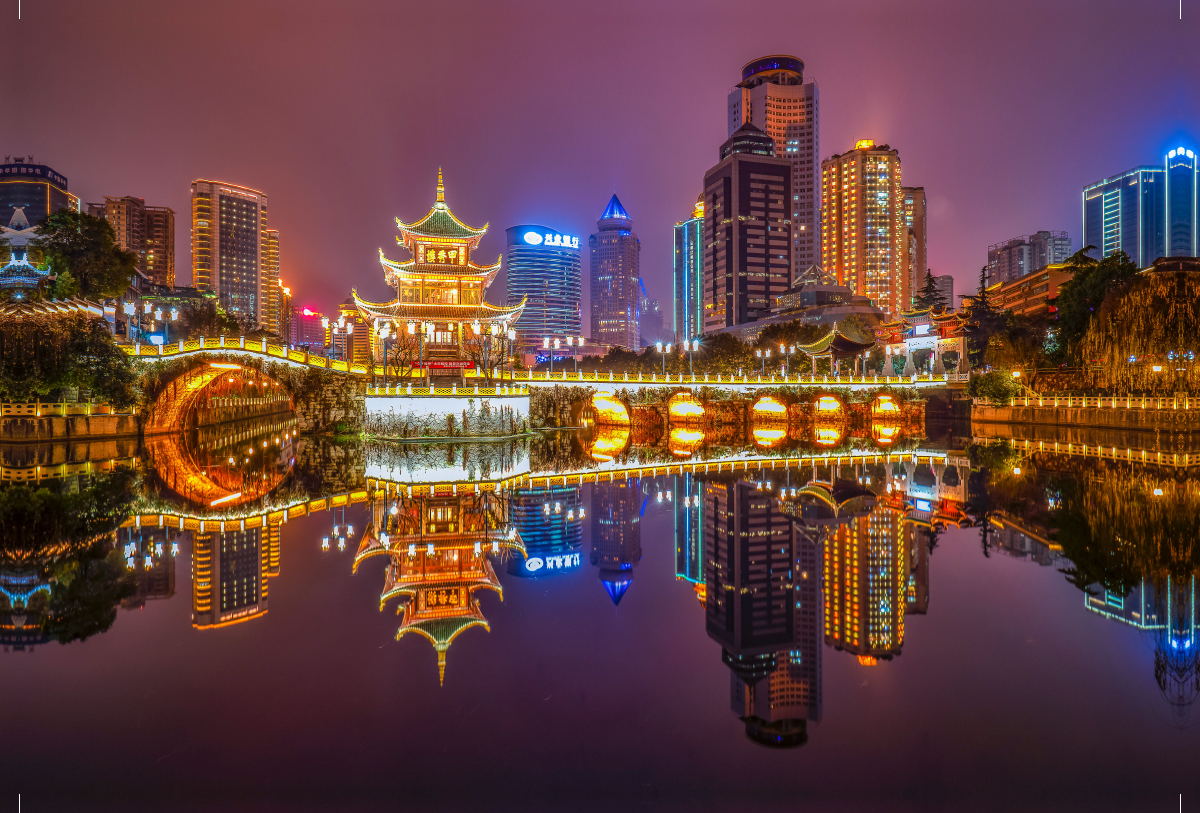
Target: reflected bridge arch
x,y
175,406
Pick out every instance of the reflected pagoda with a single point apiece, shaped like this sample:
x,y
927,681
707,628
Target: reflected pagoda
x,y
437,549
439,310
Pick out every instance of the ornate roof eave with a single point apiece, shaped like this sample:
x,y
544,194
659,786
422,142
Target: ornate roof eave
x,y
25,309
416,311
413,269
441,632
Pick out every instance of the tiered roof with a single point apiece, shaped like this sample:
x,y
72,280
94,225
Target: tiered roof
x,y
840,342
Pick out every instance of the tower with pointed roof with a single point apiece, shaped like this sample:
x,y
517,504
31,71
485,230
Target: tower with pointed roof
x,y
440,289
615,279
616,534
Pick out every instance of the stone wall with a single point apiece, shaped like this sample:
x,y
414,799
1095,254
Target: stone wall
x,y
330,467
464,416
335,405
1175,420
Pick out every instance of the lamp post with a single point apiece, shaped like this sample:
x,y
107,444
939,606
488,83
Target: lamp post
x,y
764,355
692,347
786,351
664,352
546,345
575,342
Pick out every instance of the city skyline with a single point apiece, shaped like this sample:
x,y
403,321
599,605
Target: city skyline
x,y
368,146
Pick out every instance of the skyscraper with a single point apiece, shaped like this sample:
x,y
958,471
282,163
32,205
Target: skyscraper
x,y
229,577
29,193
615,279
270,277
763,606
616,534
915,222
1127,212
687,307
147,231
1023,255
747,232
774,97
650,322
550,522
544,268
945,284
229,225
864,242
1181,204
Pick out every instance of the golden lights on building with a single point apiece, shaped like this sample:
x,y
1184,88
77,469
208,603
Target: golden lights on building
x,y
864,239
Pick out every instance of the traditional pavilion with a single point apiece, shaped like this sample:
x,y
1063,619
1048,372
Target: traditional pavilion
x,y
439,292
438,549
935,341
838,344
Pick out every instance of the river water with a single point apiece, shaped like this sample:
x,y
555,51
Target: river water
x,y
946,623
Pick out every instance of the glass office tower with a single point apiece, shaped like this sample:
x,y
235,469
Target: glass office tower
x,y
544,265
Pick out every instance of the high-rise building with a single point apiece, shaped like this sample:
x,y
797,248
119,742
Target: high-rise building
x,y
763,606
945,286
229,577
306,330
866,580
747,231
544,268
285,312
1023,255
29,193
915,221
1181,204
689,275
229,225
147,231
689,539
615,276
1127,212
36,190
616,534
650,322
774,97
160,244
270,279
550,522
864,242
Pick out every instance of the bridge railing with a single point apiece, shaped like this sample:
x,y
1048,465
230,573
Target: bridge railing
x,y
51,409
409,389
1105,402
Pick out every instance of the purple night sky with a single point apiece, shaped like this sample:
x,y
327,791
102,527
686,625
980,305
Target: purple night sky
x,y
342,112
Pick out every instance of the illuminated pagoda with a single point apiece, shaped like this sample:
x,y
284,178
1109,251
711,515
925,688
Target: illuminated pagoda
x,y
437,549
439,292
841,342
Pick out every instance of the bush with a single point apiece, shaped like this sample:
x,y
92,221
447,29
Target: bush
x,y
997,386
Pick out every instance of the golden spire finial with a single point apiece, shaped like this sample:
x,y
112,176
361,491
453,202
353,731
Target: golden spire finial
x,y
441,667
441,191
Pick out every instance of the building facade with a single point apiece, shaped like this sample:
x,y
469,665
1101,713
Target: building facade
x,y
1180,213
270,275
774,97
544,269
29,193
945,285
229,225
1022,255
747,241
306,330
915,221
615,279
688,276
147,231
616,534
864,240
1032,293
550,521
1127,212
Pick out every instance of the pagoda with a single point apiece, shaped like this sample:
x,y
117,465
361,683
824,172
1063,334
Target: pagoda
x,y
439,291
437,550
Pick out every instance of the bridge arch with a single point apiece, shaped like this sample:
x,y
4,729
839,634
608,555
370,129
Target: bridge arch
x,y
199,386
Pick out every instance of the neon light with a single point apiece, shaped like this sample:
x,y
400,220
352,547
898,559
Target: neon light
x,y
533,238
225,499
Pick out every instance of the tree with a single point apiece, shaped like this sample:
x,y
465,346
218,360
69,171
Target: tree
x,y
984,322
930,295
206,319
86,247
403,352
485,350
1080,297
64,286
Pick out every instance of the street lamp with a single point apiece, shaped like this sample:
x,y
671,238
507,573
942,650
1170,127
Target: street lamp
x,y
764,355
576,342
512,336
692,347
546,345
664,352
786,351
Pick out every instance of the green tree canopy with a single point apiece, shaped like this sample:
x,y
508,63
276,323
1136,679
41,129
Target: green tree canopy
x,y
87,247
930,295
1080,297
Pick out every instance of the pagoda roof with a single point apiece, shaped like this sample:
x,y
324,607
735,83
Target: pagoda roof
x,y
438,312
838,342
411,269
442,630
399,583
441,222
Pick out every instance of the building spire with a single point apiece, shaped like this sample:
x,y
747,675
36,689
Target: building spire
x,y
441,189
441,653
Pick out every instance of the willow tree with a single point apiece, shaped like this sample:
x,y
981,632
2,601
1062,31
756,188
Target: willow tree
x,y
1145,335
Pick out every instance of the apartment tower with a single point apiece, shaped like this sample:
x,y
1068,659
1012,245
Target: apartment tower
x,y
864,242
229,244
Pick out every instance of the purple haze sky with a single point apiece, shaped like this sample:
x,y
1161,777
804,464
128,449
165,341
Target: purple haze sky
x,y
341,112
